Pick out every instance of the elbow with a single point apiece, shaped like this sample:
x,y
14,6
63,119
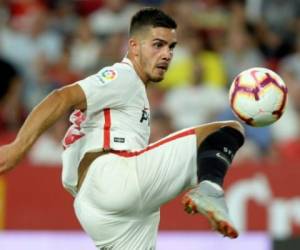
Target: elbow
x,y
58,99
70,96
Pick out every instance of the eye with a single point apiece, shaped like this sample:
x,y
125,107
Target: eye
x,y
172,46
157,45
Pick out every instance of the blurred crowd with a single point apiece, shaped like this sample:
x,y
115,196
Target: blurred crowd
x,y
45,44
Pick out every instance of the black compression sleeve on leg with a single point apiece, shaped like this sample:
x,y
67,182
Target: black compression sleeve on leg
x,y
216,153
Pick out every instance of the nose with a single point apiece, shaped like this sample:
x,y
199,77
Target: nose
x,y
167,54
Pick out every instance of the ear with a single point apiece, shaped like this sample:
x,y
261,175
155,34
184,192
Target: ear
x,y
133,45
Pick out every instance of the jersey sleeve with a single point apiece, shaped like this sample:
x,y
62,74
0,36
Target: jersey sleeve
x,y
109,88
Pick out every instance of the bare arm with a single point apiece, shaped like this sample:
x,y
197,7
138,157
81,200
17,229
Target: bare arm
x,y
44,115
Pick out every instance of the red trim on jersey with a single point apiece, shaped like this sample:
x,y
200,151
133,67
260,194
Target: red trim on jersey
x,y
106,129
155,145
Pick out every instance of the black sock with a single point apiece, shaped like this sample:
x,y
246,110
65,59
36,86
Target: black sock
x,y
216,153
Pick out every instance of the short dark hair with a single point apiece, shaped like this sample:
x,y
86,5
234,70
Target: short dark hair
x,y
153,17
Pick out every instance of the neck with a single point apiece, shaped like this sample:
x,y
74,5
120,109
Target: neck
x,y
138,69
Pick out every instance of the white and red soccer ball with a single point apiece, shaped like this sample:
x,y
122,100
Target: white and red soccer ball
x,y
258,96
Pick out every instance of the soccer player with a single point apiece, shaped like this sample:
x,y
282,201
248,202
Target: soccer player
x,y
119,181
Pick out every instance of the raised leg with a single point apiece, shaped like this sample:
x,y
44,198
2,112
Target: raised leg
x,y
217,144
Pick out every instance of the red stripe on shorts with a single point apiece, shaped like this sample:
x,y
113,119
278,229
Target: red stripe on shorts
x,y
155,145
106,129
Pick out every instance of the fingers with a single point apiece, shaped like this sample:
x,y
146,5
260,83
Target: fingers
x,y
5,166
8,158
3,169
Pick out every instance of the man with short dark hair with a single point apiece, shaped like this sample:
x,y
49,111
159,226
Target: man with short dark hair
x,y
119,181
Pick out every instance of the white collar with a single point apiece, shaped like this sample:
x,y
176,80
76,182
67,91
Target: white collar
x,y
127,60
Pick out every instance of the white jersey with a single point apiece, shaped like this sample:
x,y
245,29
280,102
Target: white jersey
x,y
117,117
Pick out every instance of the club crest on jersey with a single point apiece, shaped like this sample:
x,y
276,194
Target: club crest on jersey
x,y
107,74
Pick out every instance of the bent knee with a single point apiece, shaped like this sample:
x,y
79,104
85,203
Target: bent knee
x,y
205,130
234,124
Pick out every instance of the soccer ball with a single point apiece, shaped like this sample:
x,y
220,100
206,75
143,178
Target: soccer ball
x,y
258,96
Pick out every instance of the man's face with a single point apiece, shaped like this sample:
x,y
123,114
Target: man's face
x,y
156,51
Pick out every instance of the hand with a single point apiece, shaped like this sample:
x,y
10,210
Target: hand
x,y
10,155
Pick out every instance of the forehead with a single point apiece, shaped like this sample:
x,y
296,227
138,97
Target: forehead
x,y
168,35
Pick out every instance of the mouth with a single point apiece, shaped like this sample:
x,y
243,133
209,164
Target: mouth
x,y
162,66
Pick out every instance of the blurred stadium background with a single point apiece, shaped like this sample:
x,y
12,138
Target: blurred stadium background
x,y
45,44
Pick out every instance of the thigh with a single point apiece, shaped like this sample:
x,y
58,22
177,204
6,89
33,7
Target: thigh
x,y
108,206
115,231
169,166
111,185
165,168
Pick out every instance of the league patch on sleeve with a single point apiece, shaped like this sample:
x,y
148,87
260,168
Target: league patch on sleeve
x,y
107,75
